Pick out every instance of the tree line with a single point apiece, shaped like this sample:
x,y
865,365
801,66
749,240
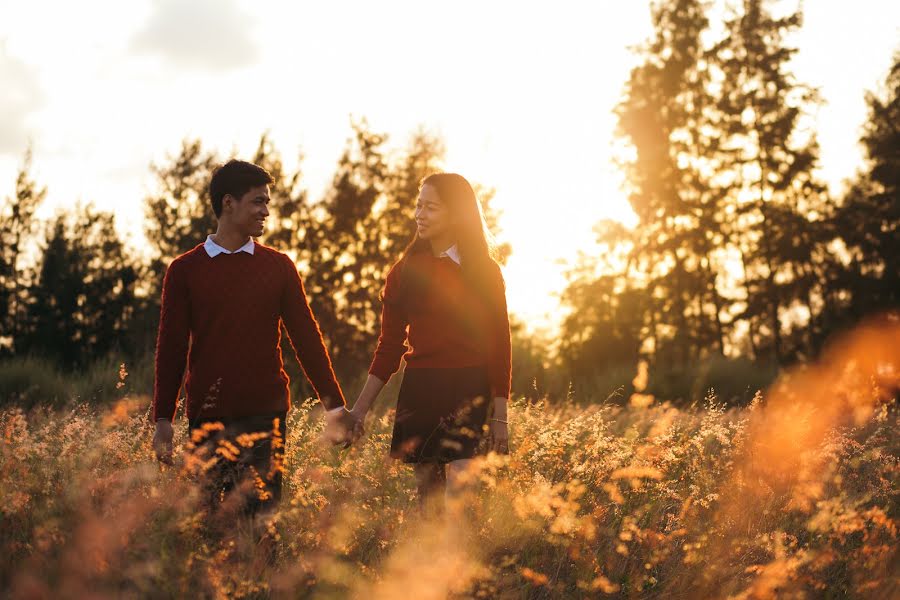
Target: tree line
x,y
739,250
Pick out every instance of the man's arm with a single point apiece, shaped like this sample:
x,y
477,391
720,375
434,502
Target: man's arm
x,y
306,340
171,343
171,356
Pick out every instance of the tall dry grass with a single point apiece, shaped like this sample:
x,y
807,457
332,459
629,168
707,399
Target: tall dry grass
x,y
794,496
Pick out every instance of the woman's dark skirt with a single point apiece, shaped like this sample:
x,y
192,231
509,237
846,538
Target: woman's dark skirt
x,y
441,415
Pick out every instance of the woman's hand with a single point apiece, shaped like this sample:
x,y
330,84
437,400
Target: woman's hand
x,y
499,426
499,436
162,441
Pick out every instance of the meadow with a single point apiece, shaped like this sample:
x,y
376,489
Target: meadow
x,y
792,496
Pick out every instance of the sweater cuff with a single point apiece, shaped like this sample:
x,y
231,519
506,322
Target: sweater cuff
x,y
162,415
382,374
332,402
500,393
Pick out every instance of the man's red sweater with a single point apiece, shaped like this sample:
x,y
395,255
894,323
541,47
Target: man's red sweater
x,y
448,325
227,310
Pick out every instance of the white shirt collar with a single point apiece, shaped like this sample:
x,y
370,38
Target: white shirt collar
x,y
452,253
214,249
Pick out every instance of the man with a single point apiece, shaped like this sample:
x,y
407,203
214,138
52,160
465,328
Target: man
x,y
223,304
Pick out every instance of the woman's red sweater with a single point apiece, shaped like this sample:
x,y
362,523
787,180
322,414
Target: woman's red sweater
x,y
445,323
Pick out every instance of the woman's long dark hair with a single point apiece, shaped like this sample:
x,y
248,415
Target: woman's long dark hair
x,y
473,240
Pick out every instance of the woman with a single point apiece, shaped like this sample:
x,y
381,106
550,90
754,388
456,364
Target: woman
x,y
445,297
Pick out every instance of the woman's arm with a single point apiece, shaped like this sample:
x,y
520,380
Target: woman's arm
x,y
500,369
390,349
500,355
499,427
367,397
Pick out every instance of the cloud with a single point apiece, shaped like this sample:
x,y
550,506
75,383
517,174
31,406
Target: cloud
x,y
21,95
212,34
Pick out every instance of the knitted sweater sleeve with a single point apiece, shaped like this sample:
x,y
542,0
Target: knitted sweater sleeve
x,y
306,339
172,341
394,322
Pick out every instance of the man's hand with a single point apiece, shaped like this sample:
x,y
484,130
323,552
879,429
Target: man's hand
x,y
162,441
355,427
342,427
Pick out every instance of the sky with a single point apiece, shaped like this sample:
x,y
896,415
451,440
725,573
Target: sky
x,y
521,92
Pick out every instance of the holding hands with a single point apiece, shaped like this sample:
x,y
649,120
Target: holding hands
x,y
342,427
162,441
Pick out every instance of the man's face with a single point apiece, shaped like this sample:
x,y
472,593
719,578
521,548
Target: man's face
x,y
248,214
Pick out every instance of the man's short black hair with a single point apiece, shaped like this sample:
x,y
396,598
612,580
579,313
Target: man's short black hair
x,y
236,177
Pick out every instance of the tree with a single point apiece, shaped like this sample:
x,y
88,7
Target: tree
x,y
422,157
178,215
17,225
603,328
290,215
341,251
663,118
83,298
778,204
356,232
867,224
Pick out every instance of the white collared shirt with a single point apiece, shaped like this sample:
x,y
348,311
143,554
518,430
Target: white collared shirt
x,y
213,249
452,253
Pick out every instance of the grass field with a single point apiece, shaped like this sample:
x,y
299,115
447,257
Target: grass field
x,y
794,496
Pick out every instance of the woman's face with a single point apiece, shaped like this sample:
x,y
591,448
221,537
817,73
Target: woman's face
x,y
432,215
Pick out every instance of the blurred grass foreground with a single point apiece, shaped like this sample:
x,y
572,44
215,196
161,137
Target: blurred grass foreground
x,y
793,496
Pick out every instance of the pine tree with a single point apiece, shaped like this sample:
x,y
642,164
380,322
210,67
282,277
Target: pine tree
x,y
868,220
768,163
83,298
290,216
603,327
178,215
17,226
661,118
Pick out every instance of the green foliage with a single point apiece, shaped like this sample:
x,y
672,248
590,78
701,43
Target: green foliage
x,y
733,380
777,202
346,254
867,224
178,212
733,251
28,381
530,359
666,116
83,296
